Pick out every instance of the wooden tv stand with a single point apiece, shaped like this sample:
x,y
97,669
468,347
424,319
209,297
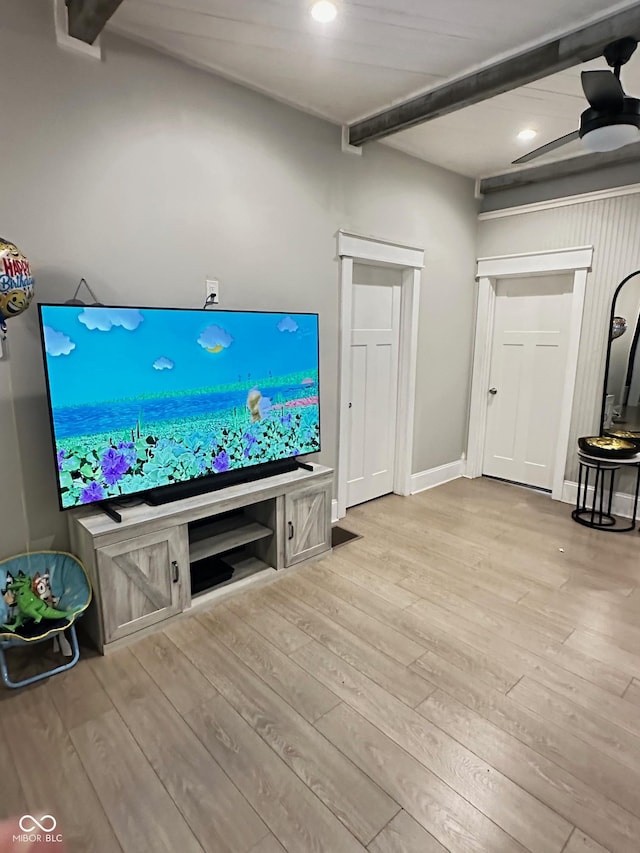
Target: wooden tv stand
x,y
142,569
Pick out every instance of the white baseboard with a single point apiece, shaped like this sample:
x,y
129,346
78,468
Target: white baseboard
x,y
424,480
334,511
622,502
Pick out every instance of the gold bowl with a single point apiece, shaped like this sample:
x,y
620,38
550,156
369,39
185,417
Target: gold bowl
x,y
625,434
607,447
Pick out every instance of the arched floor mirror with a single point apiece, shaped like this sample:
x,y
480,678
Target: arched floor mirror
x,y
621,397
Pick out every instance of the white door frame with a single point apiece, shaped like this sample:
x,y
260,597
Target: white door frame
x,y
577,261
368,250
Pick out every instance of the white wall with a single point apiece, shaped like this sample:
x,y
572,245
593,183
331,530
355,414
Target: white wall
x,y
611,226
13,522
144,175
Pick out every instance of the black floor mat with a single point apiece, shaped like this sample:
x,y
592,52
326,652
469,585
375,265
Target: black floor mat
x,y
340,536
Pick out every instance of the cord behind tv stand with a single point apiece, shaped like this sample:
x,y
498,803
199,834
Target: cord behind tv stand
x,y
160,561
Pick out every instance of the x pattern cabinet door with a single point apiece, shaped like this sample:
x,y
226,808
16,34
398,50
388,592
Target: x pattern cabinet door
x,y
141,581
308,524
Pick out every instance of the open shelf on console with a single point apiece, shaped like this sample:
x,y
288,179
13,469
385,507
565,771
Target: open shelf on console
x,y
224,534
232,547
232,568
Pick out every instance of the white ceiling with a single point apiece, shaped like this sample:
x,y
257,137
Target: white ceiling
x,y
378,52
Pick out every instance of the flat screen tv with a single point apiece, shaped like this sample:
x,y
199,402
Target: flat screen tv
x,y
146,398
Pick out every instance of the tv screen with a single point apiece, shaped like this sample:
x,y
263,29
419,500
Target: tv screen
x,y
142,398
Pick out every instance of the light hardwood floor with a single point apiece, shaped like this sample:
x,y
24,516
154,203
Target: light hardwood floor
x,y
465,677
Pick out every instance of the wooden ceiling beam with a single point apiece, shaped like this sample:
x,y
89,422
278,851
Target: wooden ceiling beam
x,y
578,46
560,169
87,18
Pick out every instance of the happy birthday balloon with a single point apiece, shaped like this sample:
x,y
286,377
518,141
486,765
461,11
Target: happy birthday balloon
x,y
16,281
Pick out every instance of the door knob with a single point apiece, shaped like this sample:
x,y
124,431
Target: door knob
x,y
493,391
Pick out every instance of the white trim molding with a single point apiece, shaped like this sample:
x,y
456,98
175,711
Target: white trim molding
x,y
571,260
565,201
346,284
480,376
334,511
571,370
407,371
433,477
379,252
352,247
536,263
622,501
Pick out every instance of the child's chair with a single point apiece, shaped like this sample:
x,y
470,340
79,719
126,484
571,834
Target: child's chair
x,y
56,579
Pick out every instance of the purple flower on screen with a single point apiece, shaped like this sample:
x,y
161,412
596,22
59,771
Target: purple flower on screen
x,y
251,441
60,459
114,464
129,451
221,462
93,492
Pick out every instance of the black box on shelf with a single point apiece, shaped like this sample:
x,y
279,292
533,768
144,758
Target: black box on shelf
x,y
209,573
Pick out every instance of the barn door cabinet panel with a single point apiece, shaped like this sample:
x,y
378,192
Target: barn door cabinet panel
x,y
141,581
307,523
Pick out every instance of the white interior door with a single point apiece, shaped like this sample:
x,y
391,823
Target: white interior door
x,y
375,333
528,365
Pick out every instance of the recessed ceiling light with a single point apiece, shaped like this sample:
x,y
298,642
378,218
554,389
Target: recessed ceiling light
x,y
324,11
527,134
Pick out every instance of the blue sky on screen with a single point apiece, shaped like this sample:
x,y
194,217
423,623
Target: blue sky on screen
x,y
97,354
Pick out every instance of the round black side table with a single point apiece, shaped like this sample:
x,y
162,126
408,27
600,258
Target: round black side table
x,y
597,514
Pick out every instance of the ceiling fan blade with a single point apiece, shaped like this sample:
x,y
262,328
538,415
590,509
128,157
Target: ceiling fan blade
x,y
546,149
603,90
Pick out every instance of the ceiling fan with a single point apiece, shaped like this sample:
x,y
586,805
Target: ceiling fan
x,y
613,118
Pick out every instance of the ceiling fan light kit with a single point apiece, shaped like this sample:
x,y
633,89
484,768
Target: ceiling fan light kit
x,y
609,137
612,119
